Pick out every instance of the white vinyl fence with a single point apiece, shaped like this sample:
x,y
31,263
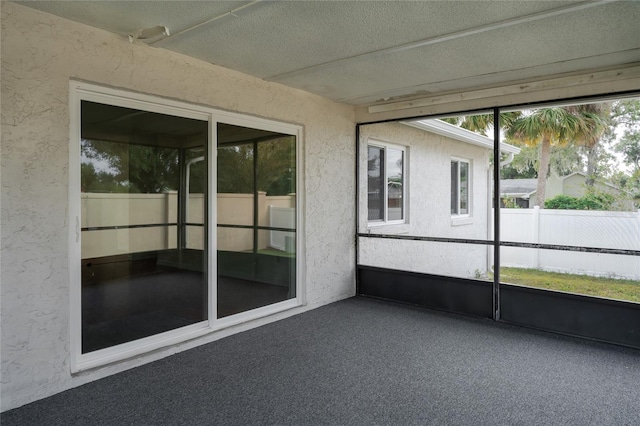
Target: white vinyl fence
x,y
120,210
599,229
282,217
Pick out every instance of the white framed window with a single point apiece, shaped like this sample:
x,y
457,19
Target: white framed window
x,y
386,183
154,188
460,187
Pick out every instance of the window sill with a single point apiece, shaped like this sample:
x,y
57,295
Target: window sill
x,y
459,221
388,228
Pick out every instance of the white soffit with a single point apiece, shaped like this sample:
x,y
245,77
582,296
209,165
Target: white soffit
x,y
367,52
458,133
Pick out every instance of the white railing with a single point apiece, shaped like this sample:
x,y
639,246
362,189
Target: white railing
x,y
599,229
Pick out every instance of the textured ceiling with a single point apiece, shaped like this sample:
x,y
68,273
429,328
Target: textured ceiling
x,y
363,52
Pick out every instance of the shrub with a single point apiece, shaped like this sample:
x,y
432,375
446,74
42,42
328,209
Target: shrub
x,y
590,201
596,201
562,202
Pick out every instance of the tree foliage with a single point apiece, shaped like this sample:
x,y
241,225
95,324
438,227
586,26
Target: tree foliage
x,y
574,138
545,127
150,169
564,160
130,168
482,123
235,169
626,114
595,122
629,147
590,201
275,172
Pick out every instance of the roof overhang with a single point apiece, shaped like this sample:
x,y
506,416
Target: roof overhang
x,y
458,133
523,195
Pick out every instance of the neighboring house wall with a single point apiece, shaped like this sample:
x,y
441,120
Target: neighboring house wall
x,y
574,185
555,187
429,208
40,53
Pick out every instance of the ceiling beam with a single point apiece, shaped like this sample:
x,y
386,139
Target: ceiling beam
x,y
595,83
562,82
495,79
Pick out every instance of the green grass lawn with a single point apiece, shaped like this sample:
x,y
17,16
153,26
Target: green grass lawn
x,y
581,284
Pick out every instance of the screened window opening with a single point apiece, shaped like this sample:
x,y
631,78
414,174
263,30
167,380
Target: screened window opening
x,y
459,187
386,183
420,241
575,185
562,184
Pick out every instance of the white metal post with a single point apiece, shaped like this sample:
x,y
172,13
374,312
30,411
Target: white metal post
x,y
535,236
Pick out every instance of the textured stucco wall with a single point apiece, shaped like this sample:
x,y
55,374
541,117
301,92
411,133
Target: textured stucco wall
x,y
429,210
40,53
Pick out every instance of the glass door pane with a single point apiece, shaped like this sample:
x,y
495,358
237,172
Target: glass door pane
x,y
143,246
256,205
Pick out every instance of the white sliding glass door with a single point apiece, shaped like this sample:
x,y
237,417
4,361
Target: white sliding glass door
x,y
185,220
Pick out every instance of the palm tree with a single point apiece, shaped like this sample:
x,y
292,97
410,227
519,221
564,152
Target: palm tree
x,y
546,127
596,120
581,124
481,123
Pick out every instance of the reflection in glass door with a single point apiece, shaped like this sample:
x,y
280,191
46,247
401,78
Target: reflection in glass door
x,y
143,222
256,211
